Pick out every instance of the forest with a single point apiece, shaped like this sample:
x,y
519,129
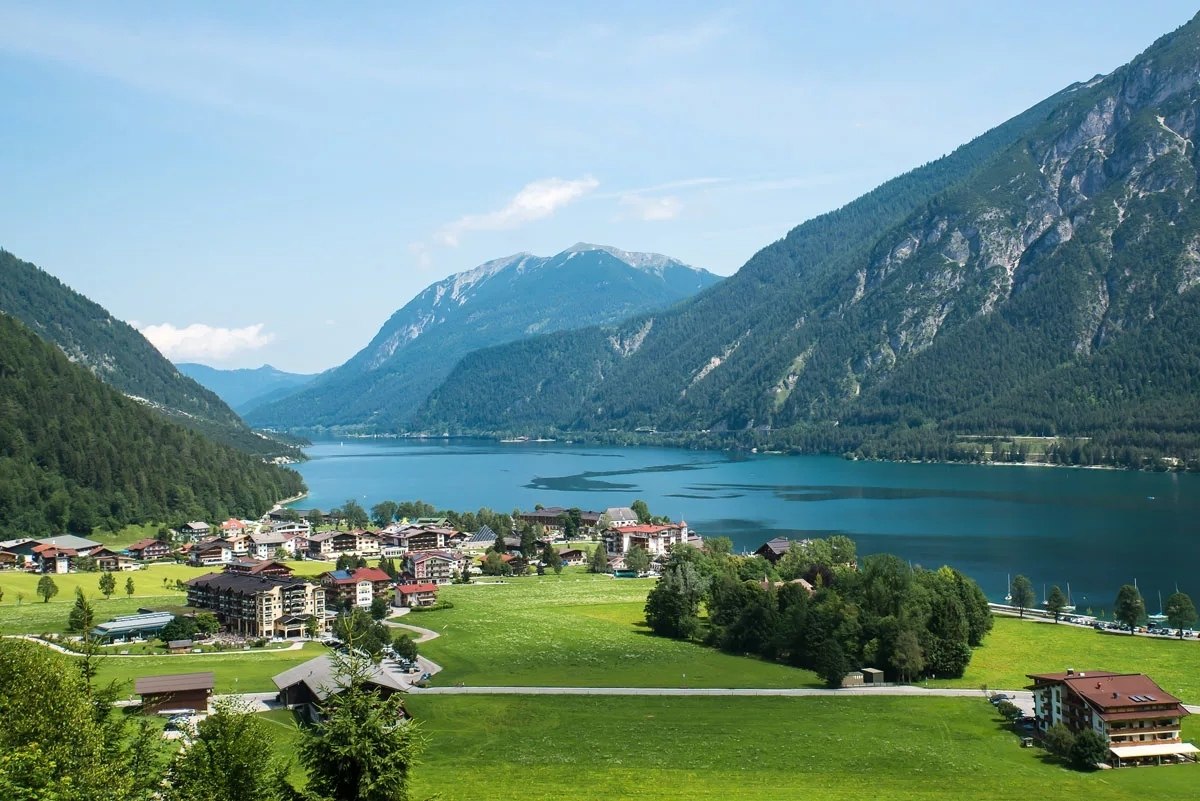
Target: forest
x,y
76,454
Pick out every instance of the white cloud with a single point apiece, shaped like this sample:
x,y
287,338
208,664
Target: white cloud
x,y
535,201
199,341
652,209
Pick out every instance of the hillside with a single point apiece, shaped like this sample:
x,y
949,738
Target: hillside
x,y
120,356
501,301
958,298
75,453
245,389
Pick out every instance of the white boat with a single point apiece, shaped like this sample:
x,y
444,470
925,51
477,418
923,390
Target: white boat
x,y
1160,617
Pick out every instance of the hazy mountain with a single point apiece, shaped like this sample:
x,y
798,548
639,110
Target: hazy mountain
x,y
500,301
75,453
1039,280
120,356
244,389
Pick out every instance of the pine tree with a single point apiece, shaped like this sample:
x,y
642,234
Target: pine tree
x,y
598,563
82,616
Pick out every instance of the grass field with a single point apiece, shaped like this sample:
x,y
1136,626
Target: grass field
x,y
575,629
1017,647
238,671
575,747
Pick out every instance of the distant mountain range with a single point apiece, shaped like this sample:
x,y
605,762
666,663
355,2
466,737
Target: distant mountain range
x,y
76,454
120,356
500,301
1041,280
245,389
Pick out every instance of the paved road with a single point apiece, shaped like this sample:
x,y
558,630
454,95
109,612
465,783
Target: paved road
x,y
295,646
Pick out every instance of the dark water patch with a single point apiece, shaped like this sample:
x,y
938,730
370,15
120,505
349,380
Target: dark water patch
x,y
706,497
578,483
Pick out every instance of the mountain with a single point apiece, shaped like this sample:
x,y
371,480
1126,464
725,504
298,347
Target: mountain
x,y
245,389
1040,280
75,453
121,357
500,301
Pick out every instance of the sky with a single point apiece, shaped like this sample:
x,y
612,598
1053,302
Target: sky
x,y
268,182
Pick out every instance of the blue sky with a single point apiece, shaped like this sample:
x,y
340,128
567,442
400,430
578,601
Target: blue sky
x,y
268,182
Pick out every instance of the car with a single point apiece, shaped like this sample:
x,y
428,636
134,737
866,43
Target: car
x,y
998,697
415,669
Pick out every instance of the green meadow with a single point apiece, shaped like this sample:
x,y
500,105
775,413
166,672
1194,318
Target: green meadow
x,y
234,671
547,747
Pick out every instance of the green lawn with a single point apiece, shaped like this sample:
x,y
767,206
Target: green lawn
x,y
576,747
1017,647
575,629
238,671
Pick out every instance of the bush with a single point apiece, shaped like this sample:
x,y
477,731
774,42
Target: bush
x,y
1059,740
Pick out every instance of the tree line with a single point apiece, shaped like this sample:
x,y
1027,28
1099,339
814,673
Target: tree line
x,y
831,616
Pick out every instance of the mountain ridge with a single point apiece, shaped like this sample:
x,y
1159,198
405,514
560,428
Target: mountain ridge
x,y
894,319
498,301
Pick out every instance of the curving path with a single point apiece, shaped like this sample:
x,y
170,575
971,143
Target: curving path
x,y
295,646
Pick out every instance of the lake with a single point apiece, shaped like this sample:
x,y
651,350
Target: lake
x,y
1095,529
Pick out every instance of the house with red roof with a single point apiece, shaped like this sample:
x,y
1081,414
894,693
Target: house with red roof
x,y
1140,721
435,566
357,587
657,538
416,594
149,549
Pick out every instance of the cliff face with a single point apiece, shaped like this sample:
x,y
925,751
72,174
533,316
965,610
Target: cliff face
x,y
933,299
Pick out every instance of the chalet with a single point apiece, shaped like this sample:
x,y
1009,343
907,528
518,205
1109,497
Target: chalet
x,y
573,556
210,552
356,588
1140,721
194,530
412,595
8,560
553,519
52,559
774,549
259,567
331,544
110,560
259,606
232,527
181,692
149,549
435,566
655,538
310,684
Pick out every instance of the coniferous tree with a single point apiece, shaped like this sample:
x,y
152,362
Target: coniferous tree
x,y
1056,601
108,584
82,617
598,562
1129,606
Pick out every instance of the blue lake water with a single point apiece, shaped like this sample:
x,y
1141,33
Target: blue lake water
x,y
1095,529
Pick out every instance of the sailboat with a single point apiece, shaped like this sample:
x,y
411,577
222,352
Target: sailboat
x,y
1160,617
1070,607
1008,585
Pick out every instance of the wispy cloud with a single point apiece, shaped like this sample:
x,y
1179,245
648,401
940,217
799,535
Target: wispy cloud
x,y
652,209
535,201
200,341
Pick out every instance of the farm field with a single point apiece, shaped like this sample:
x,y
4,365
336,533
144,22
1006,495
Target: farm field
x,y
748,748
1015,648
575,629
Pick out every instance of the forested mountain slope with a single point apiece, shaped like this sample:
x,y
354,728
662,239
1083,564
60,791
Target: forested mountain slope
x,y
120,356
75,453
500,301
949,300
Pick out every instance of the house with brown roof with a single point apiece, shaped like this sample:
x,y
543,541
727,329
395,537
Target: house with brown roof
x,y
1140,721
435,566
655,538
177,693
109,560
259,567
148,549
774,549
356,587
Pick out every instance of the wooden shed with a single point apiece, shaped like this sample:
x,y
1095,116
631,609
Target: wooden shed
x,y
181,692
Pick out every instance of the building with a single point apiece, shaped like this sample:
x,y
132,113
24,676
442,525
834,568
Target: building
x,y
149,549
573,556
259,567
621,516
309,684
194,530
209,553
129,627
175,694
411,595
774,550
482,540
553,519
332,544
655,538
265,544
112,561
259,606
355,587
1139,720
435,566
232,527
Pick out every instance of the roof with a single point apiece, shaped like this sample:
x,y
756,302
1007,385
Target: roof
x,y
424,556
778,546
173,644
242,582
319,675
177,683
233,523
485,536
371,574
1115,696
69,541
409,589
196,525
647,528
132,623
620,513
146,543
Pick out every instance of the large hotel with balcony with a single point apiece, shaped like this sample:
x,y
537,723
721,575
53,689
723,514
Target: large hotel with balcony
x,y
1139,721
259,606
